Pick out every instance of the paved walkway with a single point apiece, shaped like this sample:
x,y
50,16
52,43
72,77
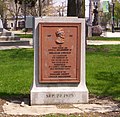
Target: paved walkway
x,y
13,47
17,47
97,42
110,34
89,42
17,107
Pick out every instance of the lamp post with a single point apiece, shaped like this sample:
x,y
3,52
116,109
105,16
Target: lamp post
x,y
24,2
90,19
113,7
16,14
2,13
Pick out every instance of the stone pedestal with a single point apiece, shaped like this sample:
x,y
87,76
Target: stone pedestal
x,y
7,38
59,61
59,95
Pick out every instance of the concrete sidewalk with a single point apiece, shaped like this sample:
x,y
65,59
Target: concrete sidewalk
x,y
18,47
13,47
16,107
89,42
110,34
98,42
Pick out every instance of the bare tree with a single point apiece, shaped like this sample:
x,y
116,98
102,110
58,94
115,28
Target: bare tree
x,y
3,9
76,8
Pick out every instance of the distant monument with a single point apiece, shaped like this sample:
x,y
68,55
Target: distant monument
x,y
6,37
5,33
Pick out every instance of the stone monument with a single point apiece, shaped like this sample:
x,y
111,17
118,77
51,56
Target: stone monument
x,y
8,38
59,61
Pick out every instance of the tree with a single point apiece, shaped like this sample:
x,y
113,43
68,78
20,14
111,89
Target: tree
x,y
117,12
71,10
81,8
3,9
105,18
76,8
27,6
16,14
29,3
47,8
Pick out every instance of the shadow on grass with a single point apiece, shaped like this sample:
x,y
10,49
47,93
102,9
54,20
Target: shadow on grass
x,y
13,95
15,98
112,50
94,49
110,83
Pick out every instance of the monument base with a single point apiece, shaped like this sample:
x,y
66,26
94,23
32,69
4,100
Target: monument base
x,y
58,95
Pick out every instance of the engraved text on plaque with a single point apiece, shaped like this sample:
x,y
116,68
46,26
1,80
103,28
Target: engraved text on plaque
x,y
59,53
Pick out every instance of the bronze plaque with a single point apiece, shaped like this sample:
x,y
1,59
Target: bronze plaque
x,y
59,52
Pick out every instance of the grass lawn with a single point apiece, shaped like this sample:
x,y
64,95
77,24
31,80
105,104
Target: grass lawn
x,y
24,35
102,71
16,72
104,38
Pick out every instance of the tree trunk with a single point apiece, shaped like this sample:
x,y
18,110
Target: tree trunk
x,y
40,7
71,9
76,8
79,8
16,17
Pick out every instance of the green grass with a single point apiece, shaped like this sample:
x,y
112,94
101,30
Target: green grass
x,y
102,71
16,72
25,35
104,38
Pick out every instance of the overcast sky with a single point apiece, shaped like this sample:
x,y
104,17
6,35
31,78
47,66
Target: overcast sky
x,y
59,2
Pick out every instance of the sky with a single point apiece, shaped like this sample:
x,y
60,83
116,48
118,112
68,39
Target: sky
x,y
59,2
86,8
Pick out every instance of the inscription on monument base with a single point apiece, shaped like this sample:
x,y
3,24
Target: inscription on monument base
x,y
60,95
